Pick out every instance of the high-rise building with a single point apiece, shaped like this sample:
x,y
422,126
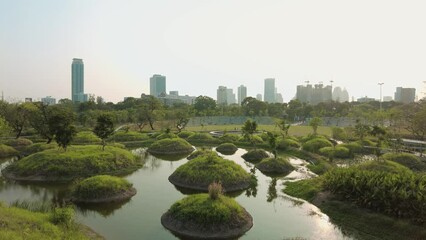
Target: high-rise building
x,y
314,95
157,85
242,93
405,95
230,96
259,97
340,95
222,95
387,98
48,100
279,98
269,90
77,81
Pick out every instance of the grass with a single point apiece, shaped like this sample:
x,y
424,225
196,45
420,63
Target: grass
x,y
208,168
86,137
320,166
7,151
315,144
202,209
129,136
101,186
19,223
169,146
77,161
19,143
384,166
227,148
38,147
305,189
200,152
409,160
279,165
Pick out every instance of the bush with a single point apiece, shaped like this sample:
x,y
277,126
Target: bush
x,y
275,165
170,146
312,137
185,134
406,159
7,151
255,155
314,145
229,137
288,143
338,133
130,136
86,137
166,135
335,152
227,148
215,190
383,166
101,186
19,143
305,189
62,216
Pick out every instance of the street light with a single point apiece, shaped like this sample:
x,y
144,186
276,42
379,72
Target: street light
x,y
381,95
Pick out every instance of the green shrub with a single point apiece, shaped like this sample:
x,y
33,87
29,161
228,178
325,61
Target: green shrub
x,y
7,151
314,145
185,134
339,133
320,167
287,143
200,136
121,136
101,186
312,137
255,155
335,152
19,143
215,190
170,146
86,137
354,147
227,148
275,165
166,135
62,216
229,137
411,161
383,166
38,147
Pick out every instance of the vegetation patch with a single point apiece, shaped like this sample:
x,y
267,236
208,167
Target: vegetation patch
x,y
200,172
19,143
170,146
354,147
227,148
384,166
129,136
166,135
86,137
185,134
305,189
255,139
38,147
228,137
320,166
284,144
199,153
200,216
76,162
314,145
255,155
409,160
7,151
335,152
278,165
102,188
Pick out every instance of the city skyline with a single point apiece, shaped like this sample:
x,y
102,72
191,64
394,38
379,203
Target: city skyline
x,y
308,41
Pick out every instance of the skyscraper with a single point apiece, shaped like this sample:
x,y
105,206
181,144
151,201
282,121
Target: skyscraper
x,y
405,95
77,81
270,90
222,95
242,93
157,85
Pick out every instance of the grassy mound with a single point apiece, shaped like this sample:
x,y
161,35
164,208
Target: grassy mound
x,y
227,137
38,147
102,188
19,143
77,161
7,151
170,146
335,152
384,166
86,137
201,137
275,165
255,155
200,172
227,148
256,139
203,217
166,135
305,189
185,134
19,223
287,143
199,153
314,145
406,159
320,166
130,136
354,147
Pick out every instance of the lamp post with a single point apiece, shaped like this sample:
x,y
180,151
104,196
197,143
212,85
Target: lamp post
x,y
381,95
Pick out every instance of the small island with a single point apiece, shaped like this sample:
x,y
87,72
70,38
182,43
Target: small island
x,y
101,189
170,146
255,155
227,148
78,161
198,173
207,216
277,165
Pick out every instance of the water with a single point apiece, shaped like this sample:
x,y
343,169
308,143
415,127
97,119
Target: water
x,y
275,215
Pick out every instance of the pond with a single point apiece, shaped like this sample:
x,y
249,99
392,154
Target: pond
x,y
275,215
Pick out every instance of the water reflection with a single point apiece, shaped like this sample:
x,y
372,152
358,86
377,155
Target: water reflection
x,y
104,209
272,190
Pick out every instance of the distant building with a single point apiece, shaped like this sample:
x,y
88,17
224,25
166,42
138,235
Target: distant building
x,y
77,81
405,95
242,93
279,98
269,90
387,99
230,96
48,100
157,85
340,95
28,99
222,95
365,99
259,97
314,94
176,98
174,93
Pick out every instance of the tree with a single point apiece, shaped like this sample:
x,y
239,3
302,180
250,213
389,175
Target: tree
x,y
314,123
380,133
253,107
149,110
415,116
39,119
204,105
16,116
284,127
272,140
61,124
361,130
248,129
4,127
104,128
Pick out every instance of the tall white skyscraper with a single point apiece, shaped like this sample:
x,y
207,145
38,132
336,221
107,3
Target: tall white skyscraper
x,y
242,93
270,91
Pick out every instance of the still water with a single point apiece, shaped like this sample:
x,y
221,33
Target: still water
x,y
275,215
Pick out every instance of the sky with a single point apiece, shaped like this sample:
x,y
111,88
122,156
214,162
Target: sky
x,y
201,44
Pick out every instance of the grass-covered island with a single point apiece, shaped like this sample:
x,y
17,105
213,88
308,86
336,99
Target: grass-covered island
x,y
227,148
200,152
255,155
102,188
198,173
207,216
170,146
7,151
78,161
279,165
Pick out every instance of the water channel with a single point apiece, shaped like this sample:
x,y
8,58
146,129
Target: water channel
x,y
276,215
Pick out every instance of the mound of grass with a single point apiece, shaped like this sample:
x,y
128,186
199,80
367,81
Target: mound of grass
x,y
406,159
201,136
185,134
86,137
199,153
200,172
335,152
166,135
102,188
169,146
279,165
309,137
255,155
305,189
229,138
38,147
256,139
201,216
320,166
227,148
384,166
287,143
19,223
130,136
19,143
314,145
354,147
76,162
7,151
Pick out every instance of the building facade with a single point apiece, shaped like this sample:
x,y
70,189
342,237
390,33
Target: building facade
x,y
49,100
77,81
269,90
314,94
222,95
157,85
405,95
242,93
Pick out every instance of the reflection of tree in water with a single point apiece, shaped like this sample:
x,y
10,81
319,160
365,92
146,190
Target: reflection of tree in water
x,y
252,190
104,209
272,190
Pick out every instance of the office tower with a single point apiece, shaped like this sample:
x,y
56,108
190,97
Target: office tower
x,y
259,97
230,96
269,90
48,100
340,95
77,81
314,94
222,95
387,98
279,98
242,93
405,95
157,85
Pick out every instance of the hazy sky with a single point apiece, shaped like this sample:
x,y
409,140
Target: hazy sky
x,y
201,44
